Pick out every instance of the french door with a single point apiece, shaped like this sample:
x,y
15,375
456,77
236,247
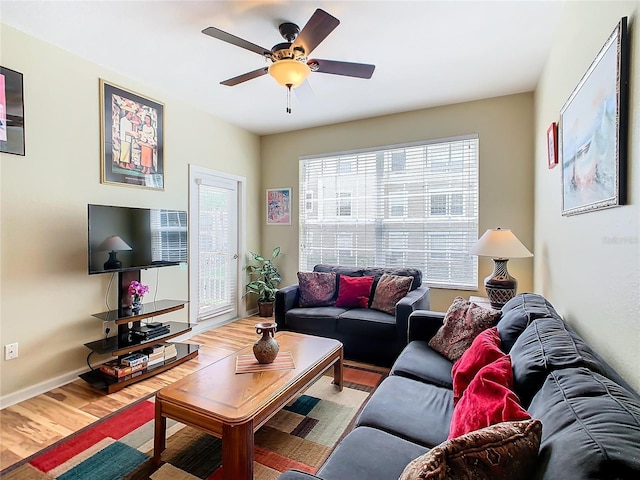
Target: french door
x,y
215,244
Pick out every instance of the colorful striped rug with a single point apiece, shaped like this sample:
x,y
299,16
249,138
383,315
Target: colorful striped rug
x,y
120,446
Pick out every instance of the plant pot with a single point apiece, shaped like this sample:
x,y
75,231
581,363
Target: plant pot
x,y
265,309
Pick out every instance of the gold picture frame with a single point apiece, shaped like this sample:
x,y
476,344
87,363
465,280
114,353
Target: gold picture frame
x,y
131,138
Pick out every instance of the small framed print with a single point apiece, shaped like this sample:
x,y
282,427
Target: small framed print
x,y
279,206
11,112
552,145
131,138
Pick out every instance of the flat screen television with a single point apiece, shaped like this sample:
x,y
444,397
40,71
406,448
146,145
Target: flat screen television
x,y
127,238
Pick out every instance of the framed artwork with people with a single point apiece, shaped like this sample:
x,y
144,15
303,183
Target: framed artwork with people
x,y
131,137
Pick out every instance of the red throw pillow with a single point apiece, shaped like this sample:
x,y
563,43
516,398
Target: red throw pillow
x,y
353,292
487,400
484,350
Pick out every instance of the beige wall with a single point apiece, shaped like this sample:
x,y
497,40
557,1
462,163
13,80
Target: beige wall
x,y
47,296
588,265
504,126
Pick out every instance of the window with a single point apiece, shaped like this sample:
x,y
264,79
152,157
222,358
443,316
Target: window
x,y
413,205
168,236
344,204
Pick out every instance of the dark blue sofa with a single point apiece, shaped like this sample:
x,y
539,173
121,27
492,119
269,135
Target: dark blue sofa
x,y
590,416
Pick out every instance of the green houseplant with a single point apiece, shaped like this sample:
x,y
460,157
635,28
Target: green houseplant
x,y
265,280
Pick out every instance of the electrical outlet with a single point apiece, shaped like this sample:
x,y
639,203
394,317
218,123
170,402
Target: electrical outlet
x,y
108,328
11,351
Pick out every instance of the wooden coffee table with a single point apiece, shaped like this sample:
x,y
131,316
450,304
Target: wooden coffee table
x,y
233,406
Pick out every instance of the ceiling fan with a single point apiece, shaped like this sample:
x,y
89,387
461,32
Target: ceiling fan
x,y
290,63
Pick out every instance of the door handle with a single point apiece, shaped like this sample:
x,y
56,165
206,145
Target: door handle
x,y
235,256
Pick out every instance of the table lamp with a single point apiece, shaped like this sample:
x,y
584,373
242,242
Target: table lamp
x,y
112,245
500,244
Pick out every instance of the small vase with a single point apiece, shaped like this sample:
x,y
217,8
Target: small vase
x,y
136,304
266,348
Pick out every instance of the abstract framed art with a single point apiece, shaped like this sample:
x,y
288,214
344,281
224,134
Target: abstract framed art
x,y
131,138
11,112
279,206
593,131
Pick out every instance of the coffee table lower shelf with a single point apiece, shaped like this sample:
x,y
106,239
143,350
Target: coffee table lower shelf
x,y
109,384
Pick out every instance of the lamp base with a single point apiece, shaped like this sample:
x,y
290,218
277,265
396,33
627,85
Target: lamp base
x,y
113,263
500,286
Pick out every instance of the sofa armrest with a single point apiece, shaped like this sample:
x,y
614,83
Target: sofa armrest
x,y
297,475
417,299
286,299
423,324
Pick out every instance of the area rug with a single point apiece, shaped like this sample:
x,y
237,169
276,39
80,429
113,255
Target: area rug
x,y
120,446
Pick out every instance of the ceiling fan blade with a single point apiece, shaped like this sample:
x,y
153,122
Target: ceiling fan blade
x,y
348,69
237,41
246,76
319,26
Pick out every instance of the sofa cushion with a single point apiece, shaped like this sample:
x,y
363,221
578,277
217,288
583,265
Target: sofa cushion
x,y
367,453
317,320
506,451
364,322
544,346
390,289
419,361
316,289
462,323
354,292
518,313
488,400
591,427
416,411
377,273
484,350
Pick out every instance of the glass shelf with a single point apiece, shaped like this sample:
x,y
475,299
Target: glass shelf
x,y
125,343
150,309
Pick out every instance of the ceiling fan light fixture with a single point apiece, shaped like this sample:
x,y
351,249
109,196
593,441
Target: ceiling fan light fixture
x,y
289,72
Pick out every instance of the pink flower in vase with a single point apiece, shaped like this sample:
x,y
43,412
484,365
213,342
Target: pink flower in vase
x,y
137,291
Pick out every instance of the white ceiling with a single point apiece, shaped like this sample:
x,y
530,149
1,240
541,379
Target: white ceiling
x,y
427,53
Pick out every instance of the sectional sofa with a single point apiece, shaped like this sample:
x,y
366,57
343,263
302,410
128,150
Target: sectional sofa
x,y
590,416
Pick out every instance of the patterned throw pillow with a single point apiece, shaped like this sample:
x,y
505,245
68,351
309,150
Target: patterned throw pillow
x,y
506,451
390,290
353,292
462,323
316,289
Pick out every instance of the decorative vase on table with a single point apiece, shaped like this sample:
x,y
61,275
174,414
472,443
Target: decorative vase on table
x,y
266,348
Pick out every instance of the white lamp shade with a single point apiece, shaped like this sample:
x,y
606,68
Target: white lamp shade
x,y
500,243
289,72
113,244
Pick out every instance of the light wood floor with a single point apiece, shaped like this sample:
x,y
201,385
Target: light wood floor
x,y
30,426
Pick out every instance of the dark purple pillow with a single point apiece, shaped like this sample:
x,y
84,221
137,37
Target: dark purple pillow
x,y
317,289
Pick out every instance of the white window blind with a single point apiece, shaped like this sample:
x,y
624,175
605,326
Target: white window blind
x,y
216,275
168,236
413,205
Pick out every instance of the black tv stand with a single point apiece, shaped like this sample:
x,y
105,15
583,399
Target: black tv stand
x,y
124,342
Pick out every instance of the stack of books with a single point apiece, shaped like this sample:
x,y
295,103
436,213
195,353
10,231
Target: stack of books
x,y
128,365
155,353
170,351
115,369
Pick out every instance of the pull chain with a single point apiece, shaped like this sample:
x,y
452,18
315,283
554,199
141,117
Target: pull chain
x,y
288,98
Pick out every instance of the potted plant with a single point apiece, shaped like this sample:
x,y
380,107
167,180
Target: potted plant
x,y
265,281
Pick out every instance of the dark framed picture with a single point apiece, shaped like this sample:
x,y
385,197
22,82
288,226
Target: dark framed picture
x,y
132,138
552,145
11,112
593,131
